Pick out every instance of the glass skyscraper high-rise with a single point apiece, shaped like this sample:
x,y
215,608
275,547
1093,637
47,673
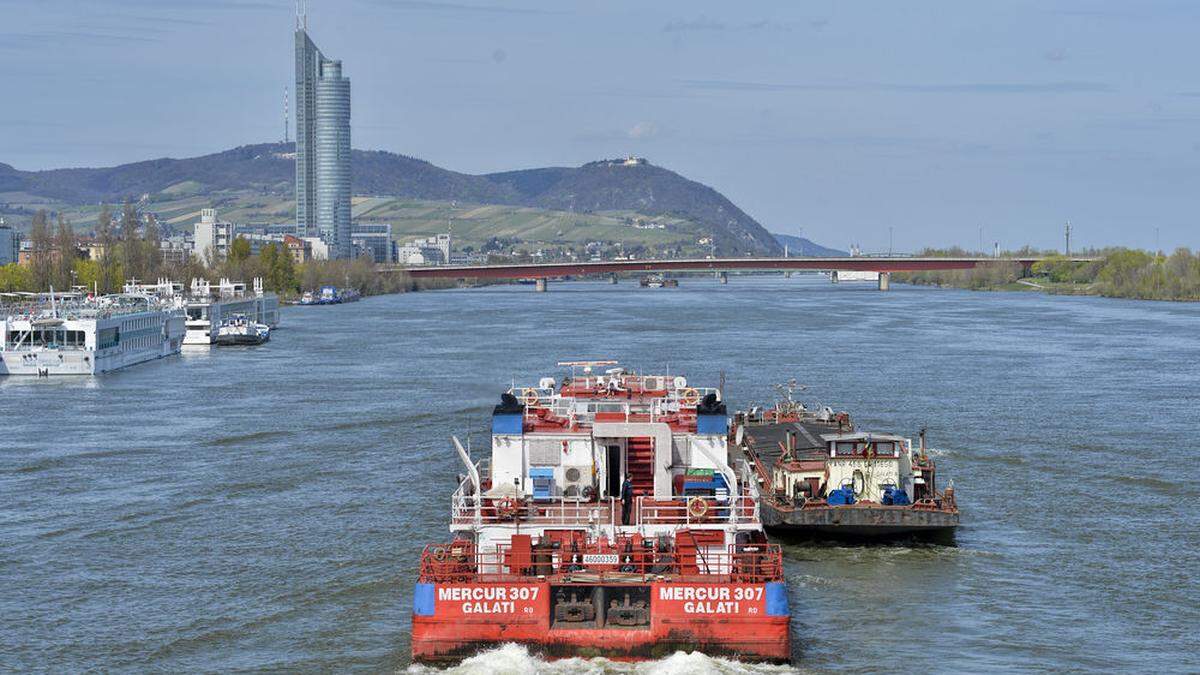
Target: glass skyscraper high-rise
x,y
322,146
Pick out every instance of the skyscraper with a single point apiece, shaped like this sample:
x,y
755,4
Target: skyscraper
x,y
322,145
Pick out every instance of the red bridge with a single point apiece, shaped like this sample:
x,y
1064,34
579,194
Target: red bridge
x,y
541,271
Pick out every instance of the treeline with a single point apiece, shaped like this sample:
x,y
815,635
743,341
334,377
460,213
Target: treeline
x,y
126,248
1115,273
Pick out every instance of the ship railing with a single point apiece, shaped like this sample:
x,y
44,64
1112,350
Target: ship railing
x,y
622,562
557,511
697,510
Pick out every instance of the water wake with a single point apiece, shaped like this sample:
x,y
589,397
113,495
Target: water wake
x,y
512,659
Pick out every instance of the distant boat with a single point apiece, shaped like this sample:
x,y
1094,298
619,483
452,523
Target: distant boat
x,y
241,331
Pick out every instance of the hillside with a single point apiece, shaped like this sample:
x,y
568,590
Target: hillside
x,y
644,188
802,246
615,188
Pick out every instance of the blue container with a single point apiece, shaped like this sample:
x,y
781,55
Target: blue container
x,y
543,484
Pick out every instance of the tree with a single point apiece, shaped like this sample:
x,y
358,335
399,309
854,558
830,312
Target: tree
x,y
64,241
284,272
41,242
152,248
131,244
239,251
107,274
14,278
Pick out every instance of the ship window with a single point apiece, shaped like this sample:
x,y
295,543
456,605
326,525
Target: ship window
x,y
845,448
887,449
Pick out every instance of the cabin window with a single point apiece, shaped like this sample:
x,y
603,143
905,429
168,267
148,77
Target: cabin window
x,y
108,337
845,448
886,449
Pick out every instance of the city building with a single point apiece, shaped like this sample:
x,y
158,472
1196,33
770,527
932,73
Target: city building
x,y
176,249
300,249
212,237
10,245
433,250
322,146
375,239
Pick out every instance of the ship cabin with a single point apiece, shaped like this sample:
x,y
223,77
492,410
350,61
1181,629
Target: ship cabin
x,y
612,451
853,467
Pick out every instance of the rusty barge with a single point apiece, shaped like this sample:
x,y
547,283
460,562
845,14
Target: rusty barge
x,y
822,478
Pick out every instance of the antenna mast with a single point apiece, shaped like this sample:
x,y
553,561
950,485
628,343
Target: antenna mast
x,y
1068,237
301,14
286,118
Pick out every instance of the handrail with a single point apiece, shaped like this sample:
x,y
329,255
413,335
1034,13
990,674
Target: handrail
x,y
619,562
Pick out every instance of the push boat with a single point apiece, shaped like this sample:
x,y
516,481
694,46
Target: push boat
x,y
822,478
607,521
240,330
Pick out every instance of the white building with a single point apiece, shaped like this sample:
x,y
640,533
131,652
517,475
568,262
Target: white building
x,y
433,250
212,237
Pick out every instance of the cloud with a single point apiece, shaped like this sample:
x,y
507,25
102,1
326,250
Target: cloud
x,y
642,131
965,88
429,5
40,39
704,24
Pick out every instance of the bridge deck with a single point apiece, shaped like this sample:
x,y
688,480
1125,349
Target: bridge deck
x,y
855,263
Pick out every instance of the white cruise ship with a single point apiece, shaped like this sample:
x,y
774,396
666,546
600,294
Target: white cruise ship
x,y
87,336
208,306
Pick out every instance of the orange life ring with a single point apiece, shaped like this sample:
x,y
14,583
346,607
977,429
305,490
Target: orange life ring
x,y
697,508
690,396
507,507
439,553
530,396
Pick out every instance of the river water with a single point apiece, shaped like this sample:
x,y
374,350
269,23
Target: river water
x,y
263,508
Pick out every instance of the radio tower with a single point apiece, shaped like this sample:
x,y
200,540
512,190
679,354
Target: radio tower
x,y
1068,237
286,119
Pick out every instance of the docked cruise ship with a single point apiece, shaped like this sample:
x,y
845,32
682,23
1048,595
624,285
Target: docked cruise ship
x,y
208,305
86,336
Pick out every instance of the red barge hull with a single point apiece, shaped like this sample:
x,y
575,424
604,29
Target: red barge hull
x,y
749,621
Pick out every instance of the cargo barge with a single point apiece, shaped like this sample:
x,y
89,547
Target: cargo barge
x,y
822,478
607,521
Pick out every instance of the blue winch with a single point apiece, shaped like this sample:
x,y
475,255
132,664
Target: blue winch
x,y
843,496
894,496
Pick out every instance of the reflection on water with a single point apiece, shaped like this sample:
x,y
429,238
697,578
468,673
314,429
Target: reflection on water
x,y
264,508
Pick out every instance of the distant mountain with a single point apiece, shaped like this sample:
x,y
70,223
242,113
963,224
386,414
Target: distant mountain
x,y
805,247
269,168
612,185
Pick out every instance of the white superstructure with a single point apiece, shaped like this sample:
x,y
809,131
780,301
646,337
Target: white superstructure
x,y
86,336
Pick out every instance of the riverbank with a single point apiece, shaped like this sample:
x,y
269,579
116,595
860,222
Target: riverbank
x,y
1116,273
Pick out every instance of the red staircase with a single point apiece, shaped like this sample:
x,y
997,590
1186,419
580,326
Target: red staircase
x,y
640,465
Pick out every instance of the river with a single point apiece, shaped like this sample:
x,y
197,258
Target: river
x,y
263,508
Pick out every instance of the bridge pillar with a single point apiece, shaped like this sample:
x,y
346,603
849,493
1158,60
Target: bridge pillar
x,y
787,274
724,277
612,279
885,280
540,285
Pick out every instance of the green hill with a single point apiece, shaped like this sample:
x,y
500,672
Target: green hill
x,y
598,201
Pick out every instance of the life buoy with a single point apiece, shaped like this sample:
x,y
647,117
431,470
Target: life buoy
x,y
507,507
530,396
439,553
697,508
690,396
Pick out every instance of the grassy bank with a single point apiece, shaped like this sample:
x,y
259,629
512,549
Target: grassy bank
x,y
1116,273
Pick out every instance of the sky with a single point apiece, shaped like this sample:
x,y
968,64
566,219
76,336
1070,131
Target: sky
x,y
917,123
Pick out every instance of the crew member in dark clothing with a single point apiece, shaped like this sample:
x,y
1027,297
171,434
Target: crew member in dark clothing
x,y
626,500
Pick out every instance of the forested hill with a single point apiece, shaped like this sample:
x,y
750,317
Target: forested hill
x,y
609,185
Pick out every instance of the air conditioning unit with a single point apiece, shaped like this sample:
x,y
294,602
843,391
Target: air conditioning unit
x,y
654,383
575,478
